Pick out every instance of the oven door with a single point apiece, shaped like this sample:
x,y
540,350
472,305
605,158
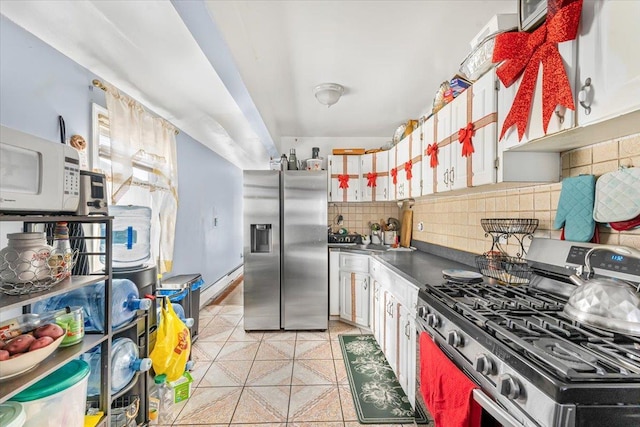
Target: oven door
x,y
493,414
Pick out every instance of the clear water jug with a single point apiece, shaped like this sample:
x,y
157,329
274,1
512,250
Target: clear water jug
x,y
125,301
125,363
131,242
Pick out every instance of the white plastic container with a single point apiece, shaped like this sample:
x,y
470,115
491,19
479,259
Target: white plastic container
x,y
58,399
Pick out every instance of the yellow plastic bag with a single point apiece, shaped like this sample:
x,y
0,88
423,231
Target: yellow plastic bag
x,y
173,344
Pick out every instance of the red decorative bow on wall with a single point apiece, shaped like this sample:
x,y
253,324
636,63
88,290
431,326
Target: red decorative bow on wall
x,y
344,181
407,168
432,152
524,52
465,136
371,179
394,175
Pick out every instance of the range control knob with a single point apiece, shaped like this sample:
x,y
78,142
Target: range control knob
x,y
509,386
422,312
455,339
483,364
433,320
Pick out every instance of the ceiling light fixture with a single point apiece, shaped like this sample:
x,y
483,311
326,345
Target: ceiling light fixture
x,y
328,93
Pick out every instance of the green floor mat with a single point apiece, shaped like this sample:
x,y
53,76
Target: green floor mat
x,y
377,394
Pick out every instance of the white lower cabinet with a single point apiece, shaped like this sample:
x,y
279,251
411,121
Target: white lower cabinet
x,y
353,289
393,302
407,352
390,347
354,298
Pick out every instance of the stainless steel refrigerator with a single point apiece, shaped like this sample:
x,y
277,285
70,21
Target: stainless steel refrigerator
x,y
286,284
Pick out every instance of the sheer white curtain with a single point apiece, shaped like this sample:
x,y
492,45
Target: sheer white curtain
x,y
142,141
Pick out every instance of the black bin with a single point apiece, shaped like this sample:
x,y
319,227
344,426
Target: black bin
x,y
191,283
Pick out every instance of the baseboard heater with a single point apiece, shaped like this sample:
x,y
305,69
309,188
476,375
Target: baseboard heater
x,y
208,293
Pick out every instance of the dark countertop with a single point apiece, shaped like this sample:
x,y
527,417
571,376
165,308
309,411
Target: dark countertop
x,y
417,267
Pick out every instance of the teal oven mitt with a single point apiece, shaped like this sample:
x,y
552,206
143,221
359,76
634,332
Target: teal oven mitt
x,y
575,208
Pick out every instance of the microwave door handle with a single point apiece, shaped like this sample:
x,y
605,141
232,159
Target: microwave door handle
x,y
495,410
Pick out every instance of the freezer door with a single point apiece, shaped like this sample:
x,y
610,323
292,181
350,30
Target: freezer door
x,y
305,281
261,229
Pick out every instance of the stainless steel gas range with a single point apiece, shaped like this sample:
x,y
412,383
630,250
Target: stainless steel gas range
x,y
534,365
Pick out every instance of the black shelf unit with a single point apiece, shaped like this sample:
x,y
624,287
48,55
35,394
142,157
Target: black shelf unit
x,y
61,356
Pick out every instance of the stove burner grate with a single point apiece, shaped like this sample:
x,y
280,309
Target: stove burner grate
x,y
569,354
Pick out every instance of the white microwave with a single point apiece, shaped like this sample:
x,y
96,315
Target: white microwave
x,y
531,13
36,175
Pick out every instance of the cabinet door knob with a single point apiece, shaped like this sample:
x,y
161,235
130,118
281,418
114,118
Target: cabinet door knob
x,y
452,176
585,90
446,177
406,329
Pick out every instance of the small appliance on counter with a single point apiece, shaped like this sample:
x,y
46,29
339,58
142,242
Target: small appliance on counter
x,y
93,194
338,238
37,175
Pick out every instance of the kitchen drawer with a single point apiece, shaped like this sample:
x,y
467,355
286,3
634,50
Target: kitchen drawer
x,y
355,263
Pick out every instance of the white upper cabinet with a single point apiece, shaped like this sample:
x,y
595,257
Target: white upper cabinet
x,y
428,139
344,178
406,158
562,119
474,111
374,179
609,61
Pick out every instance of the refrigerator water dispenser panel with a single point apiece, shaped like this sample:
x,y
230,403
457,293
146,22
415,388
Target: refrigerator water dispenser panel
x,y
261,238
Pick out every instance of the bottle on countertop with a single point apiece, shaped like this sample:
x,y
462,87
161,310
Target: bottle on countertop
x,y
293,160
315,152
284,163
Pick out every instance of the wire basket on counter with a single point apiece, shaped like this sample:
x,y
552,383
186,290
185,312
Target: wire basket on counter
x,y
29,271
510,225
506,269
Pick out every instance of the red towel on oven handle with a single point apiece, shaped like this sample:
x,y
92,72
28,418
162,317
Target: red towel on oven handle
x,y
446,390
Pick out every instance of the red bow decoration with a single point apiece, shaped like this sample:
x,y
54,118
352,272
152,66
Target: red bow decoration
x,y
524,52
344,181
371,179
464,136
432,152
394,175
407,168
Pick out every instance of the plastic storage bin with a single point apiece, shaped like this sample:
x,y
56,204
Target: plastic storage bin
x,y
131,236
125,301
58,399
12,414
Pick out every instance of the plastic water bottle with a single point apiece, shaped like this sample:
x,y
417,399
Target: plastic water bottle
x,y
125,301
160,401
125,363
188,321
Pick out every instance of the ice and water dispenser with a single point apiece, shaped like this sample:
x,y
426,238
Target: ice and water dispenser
x,y
261,238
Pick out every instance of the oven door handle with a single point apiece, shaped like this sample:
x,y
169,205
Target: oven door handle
x,y
495,410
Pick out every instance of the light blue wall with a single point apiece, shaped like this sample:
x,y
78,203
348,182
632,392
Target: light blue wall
x,y
38,83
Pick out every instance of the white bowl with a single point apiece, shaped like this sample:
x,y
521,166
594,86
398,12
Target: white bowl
x,y
27,361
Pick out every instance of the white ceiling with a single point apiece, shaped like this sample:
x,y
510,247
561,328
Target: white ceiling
x,y
239,75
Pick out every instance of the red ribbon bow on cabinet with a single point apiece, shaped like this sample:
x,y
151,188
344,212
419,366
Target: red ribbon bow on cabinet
x,y
465,135
407,168
344,181
524,52
432,152
371,179
394,175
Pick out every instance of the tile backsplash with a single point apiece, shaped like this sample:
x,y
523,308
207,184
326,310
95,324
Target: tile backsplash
x,y
356,216
454,221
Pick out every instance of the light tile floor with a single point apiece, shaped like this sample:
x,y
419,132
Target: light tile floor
x,y
266,379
